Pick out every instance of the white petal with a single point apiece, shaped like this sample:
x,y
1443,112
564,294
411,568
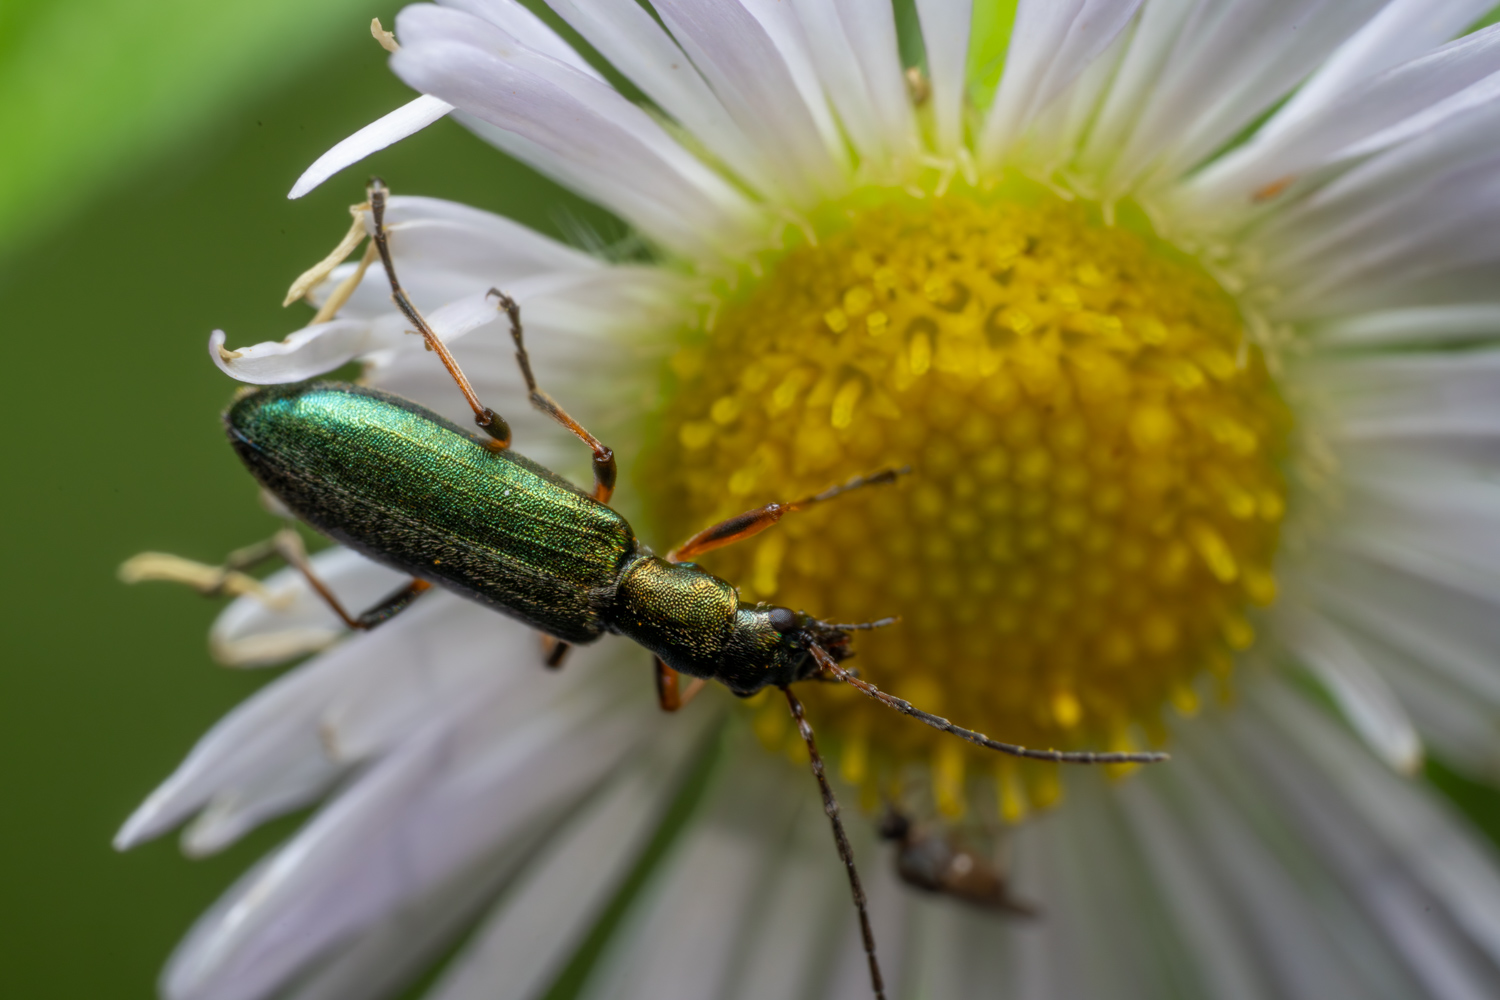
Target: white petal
x,y
1412,327
853,46
1042,966
1403,30
1052,43
1460,730
1203,913
945,32
1333,119
519,950
404,121
890,907
1365,698
1447,631
424,228
871,31
1428,394
526,28
234,812
303,354
464,316
1392,181
444,798
1100,882
384,958
1287,896
1050,147
1229,63
755,58
445,251
1150,48
626,35
282,723
781,952
1455,719
697,907
251,632
582,130
1407,253
212,960
1430,842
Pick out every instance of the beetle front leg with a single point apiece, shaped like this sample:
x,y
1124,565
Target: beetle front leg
x,y
605,471
753,522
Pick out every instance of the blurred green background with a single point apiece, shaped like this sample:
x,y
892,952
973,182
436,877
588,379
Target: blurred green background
x,y
147,149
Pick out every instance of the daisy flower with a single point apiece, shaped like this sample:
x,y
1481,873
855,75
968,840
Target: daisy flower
x,y
1183,314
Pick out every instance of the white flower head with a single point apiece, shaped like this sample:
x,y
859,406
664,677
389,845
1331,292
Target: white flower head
x,y
1184,314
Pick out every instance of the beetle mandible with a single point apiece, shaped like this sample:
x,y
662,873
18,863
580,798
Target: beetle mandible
x,y
383,476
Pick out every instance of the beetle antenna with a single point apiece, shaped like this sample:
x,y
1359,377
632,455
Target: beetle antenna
x,y
846,854
881,478
861,626
829,665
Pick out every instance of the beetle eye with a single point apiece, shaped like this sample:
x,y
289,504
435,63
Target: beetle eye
x,y
784,620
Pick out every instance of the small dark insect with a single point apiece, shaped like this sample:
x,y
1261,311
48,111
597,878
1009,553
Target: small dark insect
x,y
409,489
934,860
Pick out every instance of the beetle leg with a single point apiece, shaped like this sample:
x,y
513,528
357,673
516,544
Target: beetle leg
x,y
669,692
230,578
753,522
288,545
488,420
830,666
604,457
554,651
392,605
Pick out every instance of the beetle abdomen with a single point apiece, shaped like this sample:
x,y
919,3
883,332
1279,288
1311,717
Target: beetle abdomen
x,y
416,492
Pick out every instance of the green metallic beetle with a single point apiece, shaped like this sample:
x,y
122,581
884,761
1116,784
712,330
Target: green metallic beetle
x,y
461,510
416,492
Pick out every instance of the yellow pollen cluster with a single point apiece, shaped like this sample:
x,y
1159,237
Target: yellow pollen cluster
x,y
1095,490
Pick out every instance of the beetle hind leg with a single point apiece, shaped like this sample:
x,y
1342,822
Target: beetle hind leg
x,y
554,650
230,578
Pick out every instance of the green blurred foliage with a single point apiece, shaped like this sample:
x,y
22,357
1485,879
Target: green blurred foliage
x,y
148,149
95,87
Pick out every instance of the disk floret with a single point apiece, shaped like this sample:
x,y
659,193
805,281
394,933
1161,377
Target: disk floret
x,y
1095,493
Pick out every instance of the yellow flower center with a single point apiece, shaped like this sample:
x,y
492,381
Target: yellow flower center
x,y
1095,491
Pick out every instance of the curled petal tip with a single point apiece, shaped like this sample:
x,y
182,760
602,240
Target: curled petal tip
x,y
219,354
410,117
